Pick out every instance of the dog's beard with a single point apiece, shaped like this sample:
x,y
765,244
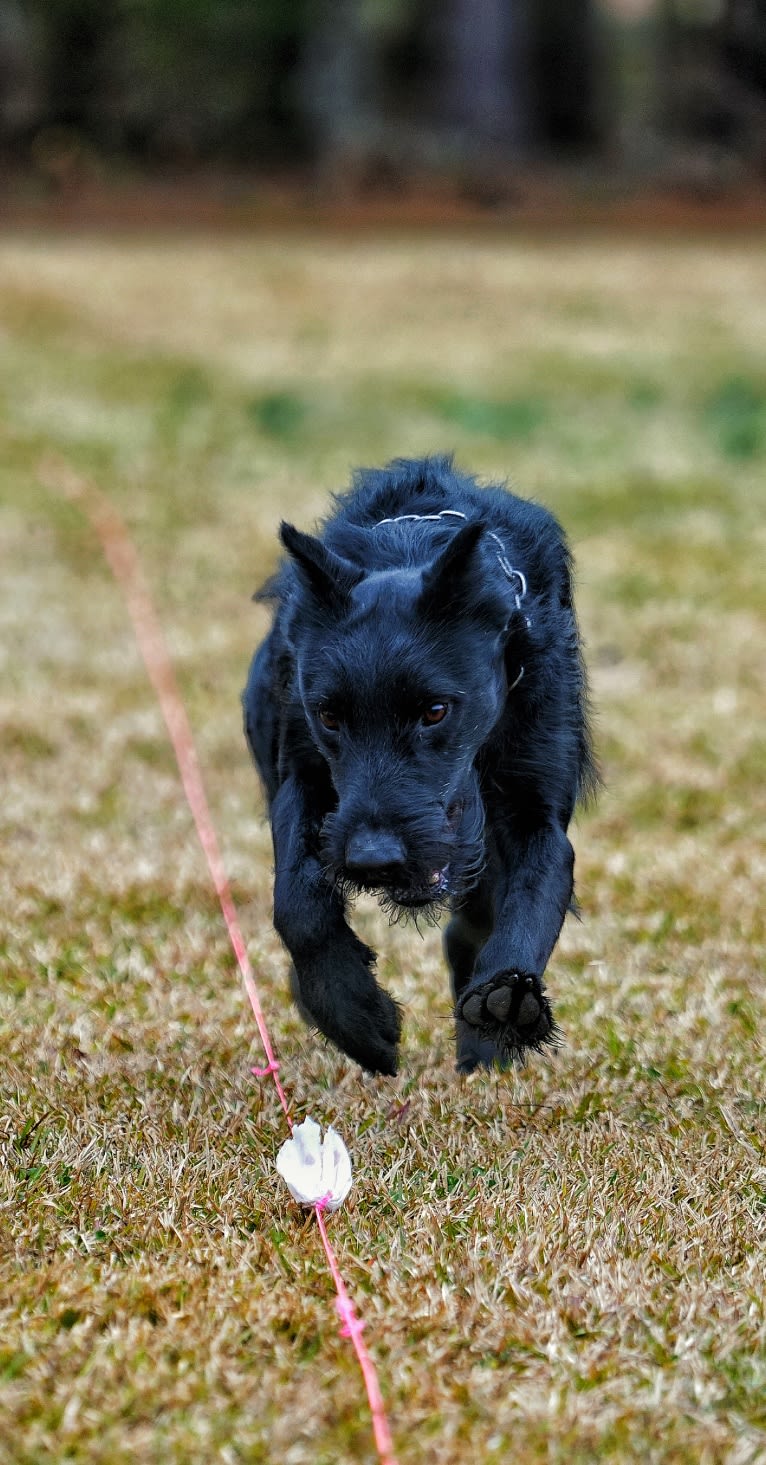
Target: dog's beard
x,y
433,881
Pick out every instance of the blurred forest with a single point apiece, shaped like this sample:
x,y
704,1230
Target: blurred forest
x,y
369,93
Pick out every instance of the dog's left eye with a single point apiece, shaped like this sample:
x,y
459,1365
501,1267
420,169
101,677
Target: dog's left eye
x,y
435,712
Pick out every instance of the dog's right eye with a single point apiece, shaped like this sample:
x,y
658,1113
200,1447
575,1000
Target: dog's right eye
x,y
328,719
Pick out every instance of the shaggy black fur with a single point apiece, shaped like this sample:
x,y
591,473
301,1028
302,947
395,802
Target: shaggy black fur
x,y
404,750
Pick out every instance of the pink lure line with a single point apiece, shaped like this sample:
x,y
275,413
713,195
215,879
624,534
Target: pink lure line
x,y
125,567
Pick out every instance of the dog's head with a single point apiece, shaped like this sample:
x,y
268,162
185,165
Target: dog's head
x,y
401,676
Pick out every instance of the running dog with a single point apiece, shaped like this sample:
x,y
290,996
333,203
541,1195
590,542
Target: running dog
x,y
418,716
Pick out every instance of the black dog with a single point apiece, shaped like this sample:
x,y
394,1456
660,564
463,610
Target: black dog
x,y
418,717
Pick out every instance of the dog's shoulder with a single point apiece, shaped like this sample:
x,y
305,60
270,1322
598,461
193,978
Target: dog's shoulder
x,y
433,485
415,486
408,490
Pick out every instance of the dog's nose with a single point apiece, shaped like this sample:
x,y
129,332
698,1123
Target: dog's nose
x,y
373,855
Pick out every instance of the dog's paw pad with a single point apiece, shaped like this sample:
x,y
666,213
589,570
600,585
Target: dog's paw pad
x,y
529,1010
473,1010
511,1010
499,1003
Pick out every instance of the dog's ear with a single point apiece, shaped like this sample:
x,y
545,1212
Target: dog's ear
x,y
329,577
450,576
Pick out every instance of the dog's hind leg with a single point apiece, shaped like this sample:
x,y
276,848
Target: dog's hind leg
x,y
333,978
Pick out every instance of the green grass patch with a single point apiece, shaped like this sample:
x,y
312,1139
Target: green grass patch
x,y
735,414
505,421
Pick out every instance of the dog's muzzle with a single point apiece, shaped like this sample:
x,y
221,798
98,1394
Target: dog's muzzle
x,y
377,860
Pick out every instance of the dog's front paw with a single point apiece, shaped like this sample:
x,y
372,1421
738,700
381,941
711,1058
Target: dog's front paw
x,y
511,1010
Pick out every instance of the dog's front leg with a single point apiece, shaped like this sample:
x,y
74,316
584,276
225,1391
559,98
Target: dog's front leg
x,y
504,1001
333,970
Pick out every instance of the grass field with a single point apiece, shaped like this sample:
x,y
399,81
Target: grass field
x,y
561,1264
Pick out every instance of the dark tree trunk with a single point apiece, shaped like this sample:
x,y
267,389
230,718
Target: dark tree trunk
x,y
339,83
486,73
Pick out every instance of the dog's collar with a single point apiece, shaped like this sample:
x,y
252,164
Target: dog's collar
x,y
502,559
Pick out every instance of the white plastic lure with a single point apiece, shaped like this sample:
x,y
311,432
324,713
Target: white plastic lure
x,y
315,1170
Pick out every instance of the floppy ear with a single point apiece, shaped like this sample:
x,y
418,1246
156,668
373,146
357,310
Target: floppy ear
x,y
326,575
448,580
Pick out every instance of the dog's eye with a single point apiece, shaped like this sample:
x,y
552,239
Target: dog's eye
x,y
435,712
328,719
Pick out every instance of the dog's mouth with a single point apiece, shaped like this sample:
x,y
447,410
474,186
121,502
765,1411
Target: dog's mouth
x,y
434,887
439,881
430,889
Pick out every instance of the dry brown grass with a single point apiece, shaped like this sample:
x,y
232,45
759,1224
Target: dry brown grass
x,y
560,1264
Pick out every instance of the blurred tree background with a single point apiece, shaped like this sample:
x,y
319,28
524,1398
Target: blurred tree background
x,y
367,93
